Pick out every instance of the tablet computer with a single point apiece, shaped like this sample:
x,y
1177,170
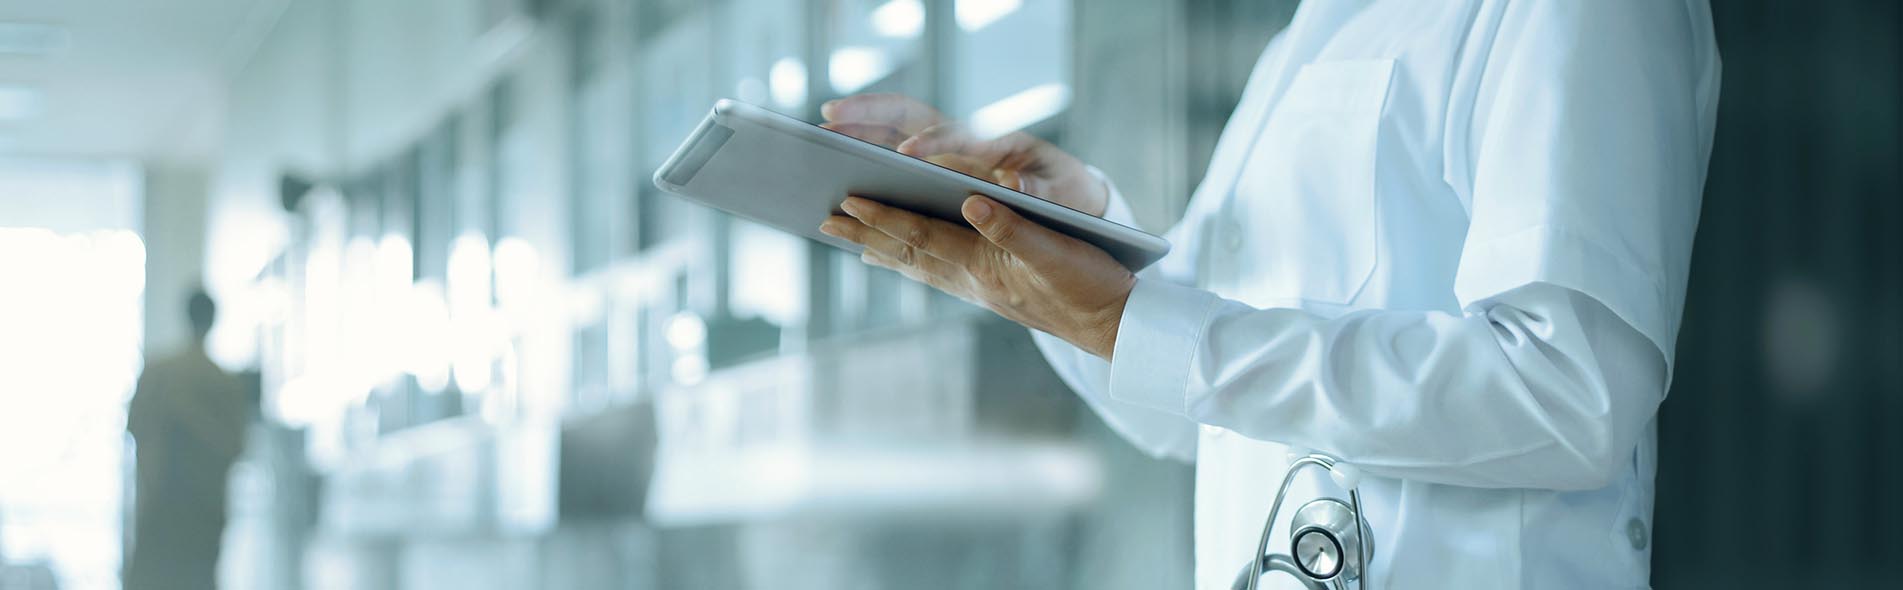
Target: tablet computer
x,y
791,175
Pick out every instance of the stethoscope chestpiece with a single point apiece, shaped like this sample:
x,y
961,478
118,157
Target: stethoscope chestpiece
x,y
1329,540
1326,540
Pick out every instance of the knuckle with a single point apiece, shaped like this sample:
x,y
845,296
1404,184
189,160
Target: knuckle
x,y
987,277
905,254
1003,231
914,234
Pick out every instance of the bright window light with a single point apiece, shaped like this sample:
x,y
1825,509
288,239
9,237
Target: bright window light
x,y
480,340
978,14
899,19
767,265
323,305
686,331
475,327
518,272
240,244
786,82
468,273
428,336
853,68
359,323
394,267
70,332
1020,110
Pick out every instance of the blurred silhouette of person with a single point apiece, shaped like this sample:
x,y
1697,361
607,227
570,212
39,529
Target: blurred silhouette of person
x,y
188,418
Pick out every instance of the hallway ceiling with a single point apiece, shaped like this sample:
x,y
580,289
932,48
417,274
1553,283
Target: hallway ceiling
x,y
120,78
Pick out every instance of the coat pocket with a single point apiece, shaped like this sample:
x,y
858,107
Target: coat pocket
x,y
1301,223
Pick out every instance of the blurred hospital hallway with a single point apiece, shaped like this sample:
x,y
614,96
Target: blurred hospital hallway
x,y
451,335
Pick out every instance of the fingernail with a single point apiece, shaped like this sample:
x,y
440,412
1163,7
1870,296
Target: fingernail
x,y
826,110
977,210
830,228
852,206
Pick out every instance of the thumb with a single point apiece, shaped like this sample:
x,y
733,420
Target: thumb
x,y
1028,241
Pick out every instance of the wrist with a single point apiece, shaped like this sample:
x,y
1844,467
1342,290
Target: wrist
x,y
1109,322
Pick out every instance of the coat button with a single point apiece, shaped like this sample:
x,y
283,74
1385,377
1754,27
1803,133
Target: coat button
x,y
1636,533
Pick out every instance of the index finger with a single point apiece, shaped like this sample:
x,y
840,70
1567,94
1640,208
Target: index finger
x,y
1007,151
933,237
898,111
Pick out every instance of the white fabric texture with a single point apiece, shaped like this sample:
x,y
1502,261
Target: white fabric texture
x,y
1446,242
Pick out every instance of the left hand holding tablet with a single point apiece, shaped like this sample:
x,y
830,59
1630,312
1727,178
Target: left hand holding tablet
x,y
1025,272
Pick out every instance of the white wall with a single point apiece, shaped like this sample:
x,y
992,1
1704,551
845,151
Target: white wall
x,y
174,234
404,65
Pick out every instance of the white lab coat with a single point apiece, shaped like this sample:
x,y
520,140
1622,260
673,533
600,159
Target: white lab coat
x,y
1446,242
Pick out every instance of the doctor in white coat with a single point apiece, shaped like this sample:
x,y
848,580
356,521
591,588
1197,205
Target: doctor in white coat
x,y
1445,242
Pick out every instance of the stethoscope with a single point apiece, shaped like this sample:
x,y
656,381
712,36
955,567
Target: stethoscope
x,y
1326,532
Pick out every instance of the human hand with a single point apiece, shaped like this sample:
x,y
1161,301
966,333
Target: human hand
x,y
1017,160
1025,272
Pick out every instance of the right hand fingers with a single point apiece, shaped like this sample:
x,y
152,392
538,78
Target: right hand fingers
x,y
897,111
1010,151
930,149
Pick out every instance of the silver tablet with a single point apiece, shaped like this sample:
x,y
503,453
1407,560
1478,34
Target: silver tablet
x,y
791,175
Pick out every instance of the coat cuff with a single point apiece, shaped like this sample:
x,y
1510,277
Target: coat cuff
x,y
1157,340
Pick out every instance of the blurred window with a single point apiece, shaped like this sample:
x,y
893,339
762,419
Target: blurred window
x,y
1011,64
765,65
70,340
878,45
765,57
602,140
676,91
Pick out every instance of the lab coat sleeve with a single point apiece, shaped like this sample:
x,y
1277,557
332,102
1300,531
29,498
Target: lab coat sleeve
x,y
1582,156
1540,387
1161,434
1588,130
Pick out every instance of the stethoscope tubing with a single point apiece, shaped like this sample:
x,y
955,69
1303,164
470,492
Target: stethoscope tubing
x,y
1268,527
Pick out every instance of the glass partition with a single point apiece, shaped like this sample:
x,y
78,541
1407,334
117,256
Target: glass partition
x,y
877,46
676,90
1010,64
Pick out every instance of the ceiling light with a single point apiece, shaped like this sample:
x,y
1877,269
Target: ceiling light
x,y
32,39
854,68
899,19
1020,110
973,15
786,82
